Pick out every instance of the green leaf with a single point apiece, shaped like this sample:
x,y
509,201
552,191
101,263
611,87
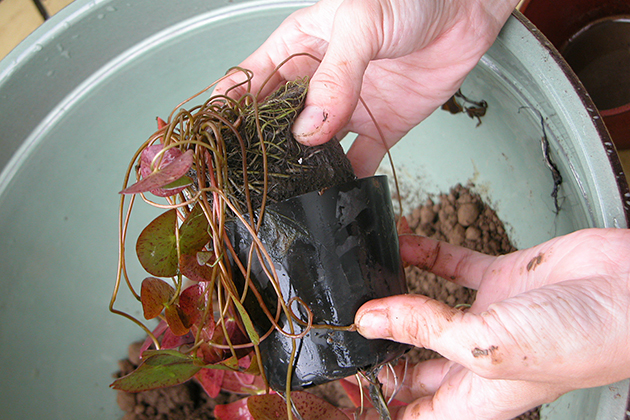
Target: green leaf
x,y
160,368
157,245
231,363
154,295
206,258
247,321
179,183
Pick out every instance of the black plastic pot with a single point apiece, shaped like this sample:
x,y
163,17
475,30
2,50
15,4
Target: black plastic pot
x,y
334,250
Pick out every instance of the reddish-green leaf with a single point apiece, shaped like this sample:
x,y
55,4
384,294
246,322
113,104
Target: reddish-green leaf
x,y
157,245
154,295
268,407
173,166
190,267
193,237
177,321
193,234
310,407
193,302
233,411
160,368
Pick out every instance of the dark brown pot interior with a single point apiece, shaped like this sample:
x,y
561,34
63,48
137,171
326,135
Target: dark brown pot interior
x,y
594,38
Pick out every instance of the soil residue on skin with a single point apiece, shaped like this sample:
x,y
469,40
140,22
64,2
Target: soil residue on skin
x,y
535,262
459,217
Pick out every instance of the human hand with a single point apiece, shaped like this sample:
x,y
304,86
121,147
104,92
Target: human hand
x,y
404,57
546,320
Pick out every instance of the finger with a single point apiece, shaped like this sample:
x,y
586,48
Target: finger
x,y
407,382
335,87
480,342
296,35
466,396
412,319
271,66
457,264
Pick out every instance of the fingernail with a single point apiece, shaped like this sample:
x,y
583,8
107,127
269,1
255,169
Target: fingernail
x,y
374,324
309,123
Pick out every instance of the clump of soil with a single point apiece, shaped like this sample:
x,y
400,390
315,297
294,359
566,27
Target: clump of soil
x,y
293,168
261,135
459,217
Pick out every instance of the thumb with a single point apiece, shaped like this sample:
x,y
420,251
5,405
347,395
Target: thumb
x,y
411,319
336,85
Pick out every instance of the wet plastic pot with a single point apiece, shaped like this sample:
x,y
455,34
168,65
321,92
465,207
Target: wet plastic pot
x,y
334,250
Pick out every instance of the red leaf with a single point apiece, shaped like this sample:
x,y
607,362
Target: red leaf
x,y
157,332
211,380
173,166
172,341
154,294
190,267
234,411
242,383
160,123
193,301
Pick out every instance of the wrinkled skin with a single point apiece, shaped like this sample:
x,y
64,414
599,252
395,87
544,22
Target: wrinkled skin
x,y
546,320
405,58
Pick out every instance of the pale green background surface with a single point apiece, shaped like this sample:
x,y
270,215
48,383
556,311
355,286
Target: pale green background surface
x,y
82,92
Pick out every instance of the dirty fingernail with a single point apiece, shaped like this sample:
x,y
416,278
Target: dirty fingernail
x,y
374,324
308,123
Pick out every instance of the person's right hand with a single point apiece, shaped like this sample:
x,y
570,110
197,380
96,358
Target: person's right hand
x,y
546,320
404,57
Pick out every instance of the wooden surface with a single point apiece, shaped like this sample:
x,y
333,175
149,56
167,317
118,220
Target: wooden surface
x,y
18,18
